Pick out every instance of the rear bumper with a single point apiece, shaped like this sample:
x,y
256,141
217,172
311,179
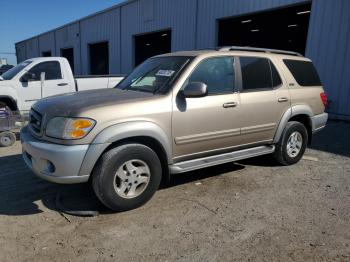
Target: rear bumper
x,y
52,162
319,122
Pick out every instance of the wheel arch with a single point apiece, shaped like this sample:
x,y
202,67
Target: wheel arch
x,y
142,132
299,113
10,102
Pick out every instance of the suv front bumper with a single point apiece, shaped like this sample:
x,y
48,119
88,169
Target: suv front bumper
x,y
52,162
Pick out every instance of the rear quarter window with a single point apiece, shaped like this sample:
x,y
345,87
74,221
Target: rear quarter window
x,y
304,72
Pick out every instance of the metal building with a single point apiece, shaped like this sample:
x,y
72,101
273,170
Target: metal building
x,y
115,40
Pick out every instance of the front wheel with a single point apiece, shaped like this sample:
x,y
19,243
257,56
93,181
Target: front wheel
x,y
7,139
127,176
292,145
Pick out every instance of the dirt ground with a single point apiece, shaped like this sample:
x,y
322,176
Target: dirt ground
x,y
251,210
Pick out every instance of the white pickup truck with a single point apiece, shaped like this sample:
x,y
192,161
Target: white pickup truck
x,y
35,78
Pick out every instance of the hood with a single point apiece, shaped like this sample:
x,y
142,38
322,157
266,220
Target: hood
x,y
4,82
73,104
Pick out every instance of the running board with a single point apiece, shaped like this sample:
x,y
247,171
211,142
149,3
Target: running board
x,y
199,163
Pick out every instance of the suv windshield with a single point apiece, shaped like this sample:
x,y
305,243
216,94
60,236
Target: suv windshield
x,y
154,74
14,70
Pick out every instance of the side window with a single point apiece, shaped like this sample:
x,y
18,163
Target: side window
x,y
52,70
217,73
258,73
304,72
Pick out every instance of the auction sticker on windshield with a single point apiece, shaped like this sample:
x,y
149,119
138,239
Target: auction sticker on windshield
x,y
166,73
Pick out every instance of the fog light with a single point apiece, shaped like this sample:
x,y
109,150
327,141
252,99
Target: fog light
x,y
50,167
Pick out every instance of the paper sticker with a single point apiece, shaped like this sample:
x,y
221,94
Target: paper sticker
x,y
166,73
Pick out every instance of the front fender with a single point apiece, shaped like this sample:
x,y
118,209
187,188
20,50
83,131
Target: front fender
x,y
8,92
123,131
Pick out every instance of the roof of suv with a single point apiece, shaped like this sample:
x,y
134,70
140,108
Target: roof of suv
x,y
239,51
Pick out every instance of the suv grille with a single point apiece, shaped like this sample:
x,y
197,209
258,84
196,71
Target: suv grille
x,y
35,121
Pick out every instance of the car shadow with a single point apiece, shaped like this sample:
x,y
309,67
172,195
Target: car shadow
x,y
333,139
22,193
265,161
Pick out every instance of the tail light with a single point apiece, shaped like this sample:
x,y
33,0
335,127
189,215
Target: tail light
x,y
324,98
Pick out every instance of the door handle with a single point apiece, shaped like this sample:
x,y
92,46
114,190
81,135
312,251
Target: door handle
x,y
62,84
283,99
230,104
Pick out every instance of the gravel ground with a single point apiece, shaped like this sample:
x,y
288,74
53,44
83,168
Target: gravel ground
x,y
251,210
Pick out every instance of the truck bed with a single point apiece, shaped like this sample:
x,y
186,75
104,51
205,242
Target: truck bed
x,y
89,82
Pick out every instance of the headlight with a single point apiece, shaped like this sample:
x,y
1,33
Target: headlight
x,y
69,128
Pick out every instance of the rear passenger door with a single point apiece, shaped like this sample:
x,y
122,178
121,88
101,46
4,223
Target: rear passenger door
x,y
264,98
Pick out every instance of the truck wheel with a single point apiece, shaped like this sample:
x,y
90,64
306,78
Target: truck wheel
x,y
127,176
292,144
4,105
7,139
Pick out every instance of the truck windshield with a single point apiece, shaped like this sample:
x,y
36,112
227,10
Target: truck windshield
x,y
15,70
154,74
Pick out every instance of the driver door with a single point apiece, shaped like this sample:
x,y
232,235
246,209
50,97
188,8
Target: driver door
x,y
53,83
30,91
207,124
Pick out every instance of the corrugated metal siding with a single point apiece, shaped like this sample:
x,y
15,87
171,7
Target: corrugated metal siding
x,y
69,37
179,16
47,43
21,52
328,46
32,48
103,27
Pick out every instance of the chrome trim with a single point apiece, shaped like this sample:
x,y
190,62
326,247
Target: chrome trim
x,y
35,122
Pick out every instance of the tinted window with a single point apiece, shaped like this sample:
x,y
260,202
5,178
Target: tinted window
x,y
51,69
217,73
15,70
304,72
257,73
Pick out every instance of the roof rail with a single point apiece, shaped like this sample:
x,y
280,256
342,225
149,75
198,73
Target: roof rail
x,y
257,49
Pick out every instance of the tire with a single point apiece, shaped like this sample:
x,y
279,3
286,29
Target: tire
x,y
4,105
296,149
119,177
7,139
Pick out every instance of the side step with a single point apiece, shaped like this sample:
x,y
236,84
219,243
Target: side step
x,y
199,163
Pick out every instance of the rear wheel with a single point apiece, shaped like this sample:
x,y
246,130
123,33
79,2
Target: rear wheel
x,y
292,145
127,176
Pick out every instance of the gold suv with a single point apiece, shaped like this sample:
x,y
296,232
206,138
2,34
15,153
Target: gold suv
x,y
176,113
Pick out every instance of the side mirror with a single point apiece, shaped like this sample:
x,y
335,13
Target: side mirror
x,y
195,89
28,77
